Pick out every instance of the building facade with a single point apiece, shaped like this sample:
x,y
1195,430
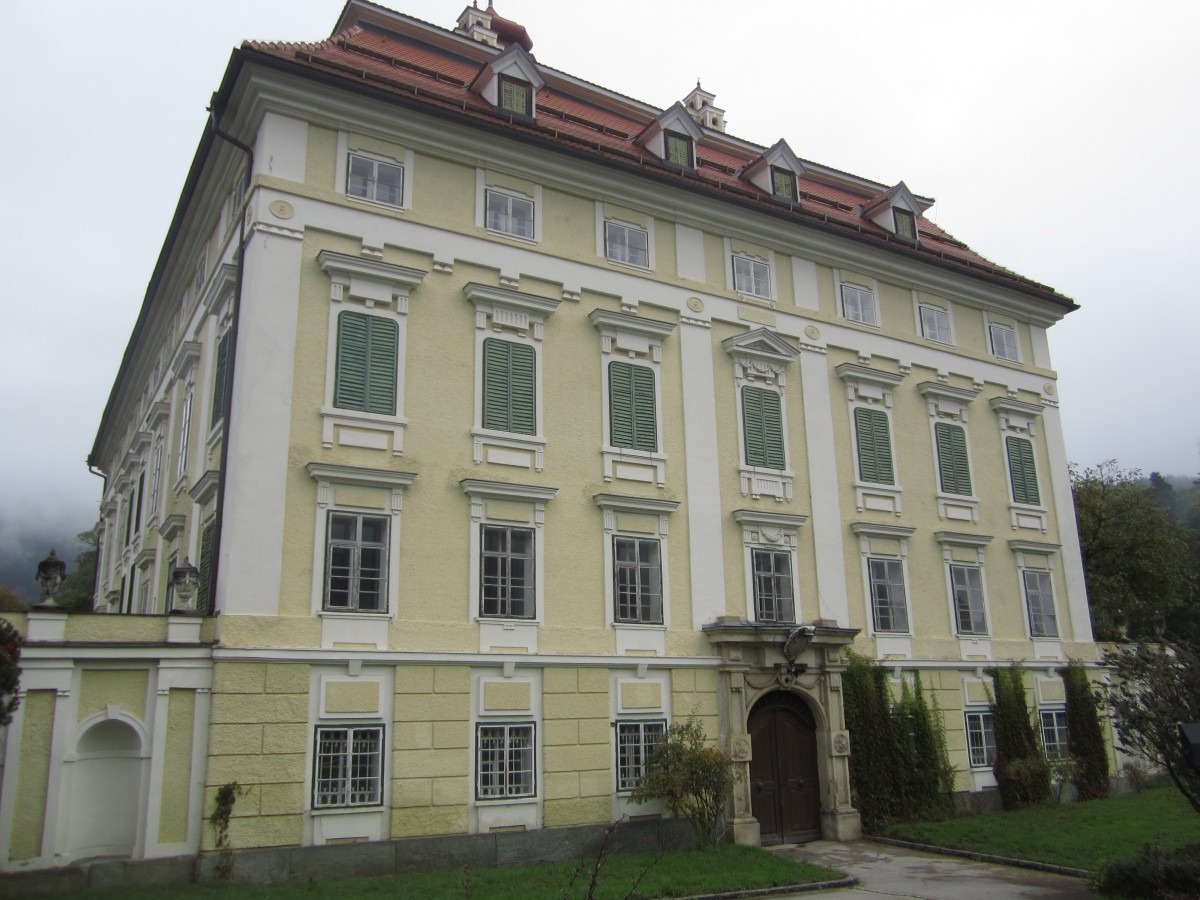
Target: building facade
x,y
527,420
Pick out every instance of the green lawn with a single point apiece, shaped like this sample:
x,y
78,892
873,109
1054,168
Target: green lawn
x,y
1078,835
676,874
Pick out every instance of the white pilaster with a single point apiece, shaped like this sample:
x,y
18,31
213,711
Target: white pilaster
x,y
1068,531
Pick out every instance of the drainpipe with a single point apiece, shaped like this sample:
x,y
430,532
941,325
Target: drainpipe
x,y
230,366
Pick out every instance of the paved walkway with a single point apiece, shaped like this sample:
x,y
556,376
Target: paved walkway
x,y
898,872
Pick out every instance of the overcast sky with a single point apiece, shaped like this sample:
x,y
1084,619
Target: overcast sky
x,y
1060,138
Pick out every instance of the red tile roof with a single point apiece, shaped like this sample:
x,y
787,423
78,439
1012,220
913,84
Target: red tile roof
x,y
602,124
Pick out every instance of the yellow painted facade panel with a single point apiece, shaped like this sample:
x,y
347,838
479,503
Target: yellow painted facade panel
x,y
430,822
33,771
226,740
343,697
560,680
641,696
281,799
358,497
637,524
557,732
452,680
177,767
414,679
583,811
101,688
506,511
451,791
511,695
560,785
287,678
284,737
239,678
243,708
576,759
266,831
409,792
451,735
593,681
595,730
414,736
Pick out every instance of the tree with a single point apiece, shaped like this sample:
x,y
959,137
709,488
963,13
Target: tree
x,y
1151,690
692,777
1135,558
79,586
10,672
10,601
1087,740
1022,772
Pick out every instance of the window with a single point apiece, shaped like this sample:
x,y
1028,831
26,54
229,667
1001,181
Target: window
x,y
906,224
633,422
751,276
871,430
1022,471
372,179
954,471
858,305
773,586
155,478
636,742
504,767
966,584
185,427
218,404
783,183
1004,342
509,387
888,604
356,548
509,215
981,739
637,580
1055,738
204,595
365,371
678,149
506,575
935,324
516,95
625,244
762,428
348,766
1039,598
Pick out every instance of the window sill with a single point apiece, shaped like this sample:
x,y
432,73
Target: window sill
x,y
508,449
768,302
374,808
627,464
377,204
958,507
1028,516
533,241
873,497
353,428
757,481
507,801
628,265
874,325
366,615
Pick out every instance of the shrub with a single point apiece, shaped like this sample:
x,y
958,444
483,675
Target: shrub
x,y
1022,773
1136,775
1087,740
1152,874
692,777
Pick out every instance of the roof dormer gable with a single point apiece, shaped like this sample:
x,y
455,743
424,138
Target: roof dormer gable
x,y
896,211
776,172
672,136
510,82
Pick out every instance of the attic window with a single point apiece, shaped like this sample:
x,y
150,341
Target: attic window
x,y
679,149
783,183
516,96
906,224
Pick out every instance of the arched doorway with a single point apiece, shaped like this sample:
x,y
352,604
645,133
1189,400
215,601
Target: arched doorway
x,y
785,786
105,792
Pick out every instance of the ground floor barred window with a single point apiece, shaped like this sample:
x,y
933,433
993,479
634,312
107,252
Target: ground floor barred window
x,y
349,766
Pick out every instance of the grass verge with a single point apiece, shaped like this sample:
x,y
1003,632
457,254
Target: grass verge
x,y
676,874
1078,835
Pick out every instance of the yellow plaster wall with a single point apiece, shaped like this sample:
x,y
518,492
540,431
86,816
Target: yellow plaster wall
x,y
431,763
177,767
101,688
694,692
576,746
259,737
33,771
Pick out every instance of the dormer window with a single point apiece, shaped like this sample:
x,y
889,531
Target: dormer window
x,y
895,211
679,149
783,183
906,224
515,95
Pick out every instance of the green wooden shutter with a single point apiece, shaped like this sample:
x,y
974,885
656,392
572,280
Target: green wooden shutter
x,y
762,428
218,405
204,594
874,446
365,378
679,149
509,387
514,95
952,458
633,421
382,337
1023,471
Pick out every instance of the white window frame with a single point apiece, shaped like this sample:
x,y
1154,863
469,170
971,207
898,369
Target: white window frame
x,y
483,189
509,727
874,543
966,551
1038,558
941,329
349,757
752,276
872,389
627,337
519,318
387,488
618,253
348,145
372,288
1010,331
185,431
357,545
978,745
629,773
371,185
1060,746
1048,600
860,293
508,708
641,519
890,565
950,405
1019,419
764,531
761,359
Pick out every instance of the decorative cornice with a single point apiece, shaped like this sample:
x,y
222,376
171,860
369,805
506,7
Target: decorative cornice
x,y
769,519
871,529
961,538
360,477
623,503
477,488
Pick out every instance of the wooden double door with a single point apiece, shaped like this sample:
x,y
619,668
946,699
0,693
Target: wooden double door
x,y
785,787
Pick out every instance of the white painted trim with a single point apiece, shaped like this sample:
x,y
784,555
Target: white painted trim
x,y
1059,483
